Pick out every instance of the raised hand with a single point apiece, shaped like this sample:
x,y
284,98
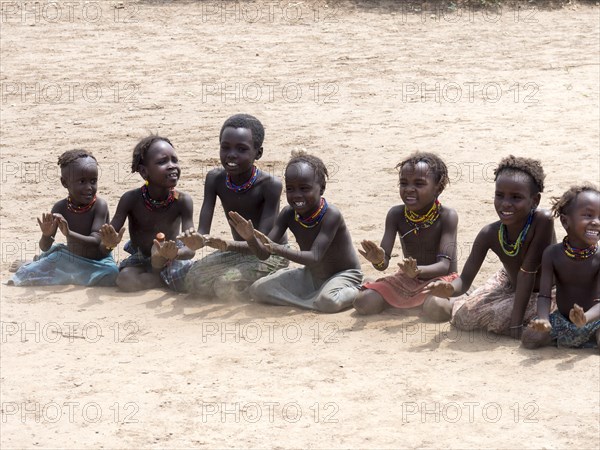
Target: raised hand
x,y
409,267
218,243
48,224
192,239
264,240
540,325
372,252
109,237
63,225
162,252
577,315
440,289
243,227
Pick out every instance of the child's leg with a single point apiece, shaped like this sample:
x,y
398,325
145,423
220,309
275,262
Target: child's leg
x,y
131,279
286,287
338,292
438,309
533,339
369,302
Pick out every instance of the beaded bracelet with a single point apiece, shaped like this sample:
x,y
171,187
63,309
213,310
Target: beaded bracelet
x,y
379,266
444,256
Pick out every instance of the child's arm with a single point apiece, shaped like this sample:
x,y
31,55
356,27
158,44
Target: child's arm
x,y
48,225
447,248
208,204
542,322
187,222
319,247
109,237
93,239
527,273
462,284
270,209
380,256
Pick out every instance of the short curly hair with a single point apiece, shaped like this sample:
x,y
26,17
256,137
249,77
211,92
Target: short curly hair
x,y
141,150
72,155
435,163
316,163
249,122
528,166
562,204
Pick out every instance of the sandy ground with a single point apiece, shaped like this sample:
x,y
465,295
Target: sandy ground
x,y
360,85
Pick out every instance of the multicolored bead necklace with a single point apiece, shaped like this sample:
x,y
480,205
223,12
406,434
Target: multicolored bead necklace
x,y
244,187
513,249
315,218
425,221
79,209
577,253
152,204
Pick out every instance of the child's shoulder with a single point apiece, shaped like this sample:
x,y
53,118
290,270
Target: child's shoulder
x,y
270,179
216,173
448,214
543,216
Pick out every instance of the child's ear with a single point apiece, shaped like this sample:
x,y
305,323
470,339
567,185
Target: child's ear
x,y
536,200
63,182
564,222
259,153
322,191
142,171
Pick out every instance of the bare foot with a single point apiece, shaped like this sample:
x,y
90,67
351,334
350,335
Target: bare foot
x,y
16,265
437,309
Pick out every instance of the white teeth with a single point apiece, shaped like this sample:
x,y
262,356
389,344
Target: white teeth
x,y
298,204
592,233
507,213
231,165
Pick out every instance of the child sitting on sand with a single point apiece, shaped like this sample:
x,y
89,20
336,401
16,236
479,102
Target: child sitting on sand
x,y
508,299
331,275
574,265
154,208
241,187
79,217
427,234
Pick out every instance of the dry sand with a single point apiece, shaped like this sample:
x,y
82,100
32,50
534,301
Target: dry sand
x,y
361,87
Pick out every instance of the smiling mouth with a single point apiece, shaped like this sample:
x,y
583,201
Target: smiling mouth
x,y
592,233
231,165
174,175
298,204
507,213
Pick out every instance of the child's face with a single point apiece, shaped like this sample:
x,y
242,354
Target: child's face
x,y
302,189
161,165
418,188
237,150
81,180
583,220
514,198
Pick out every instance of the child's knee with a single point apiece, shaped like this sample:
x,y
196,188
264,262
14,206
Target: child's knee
x,y
437,309
532,339
327,304
361,304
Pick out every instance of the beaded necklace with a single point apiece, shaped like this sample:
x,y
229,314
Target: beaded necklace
x,y
315,218
79,209
513,249
425,221
244,187
152,204
578,253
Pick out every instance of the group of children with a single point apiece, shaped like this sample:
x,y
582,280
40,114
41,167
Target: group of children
x,y
545,292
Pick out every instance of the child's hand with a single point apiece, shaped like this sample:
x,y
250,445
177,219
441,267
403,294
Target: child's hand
x,y
48,224
109,237
542,325
577,315
440,289
264,240
218,243
243,227
409,267
192,239
162,252
372,252
63,225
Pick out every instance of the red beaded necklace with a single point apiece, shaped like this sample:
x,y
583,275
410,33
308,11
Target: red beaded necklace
x,y
79,209
152,204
